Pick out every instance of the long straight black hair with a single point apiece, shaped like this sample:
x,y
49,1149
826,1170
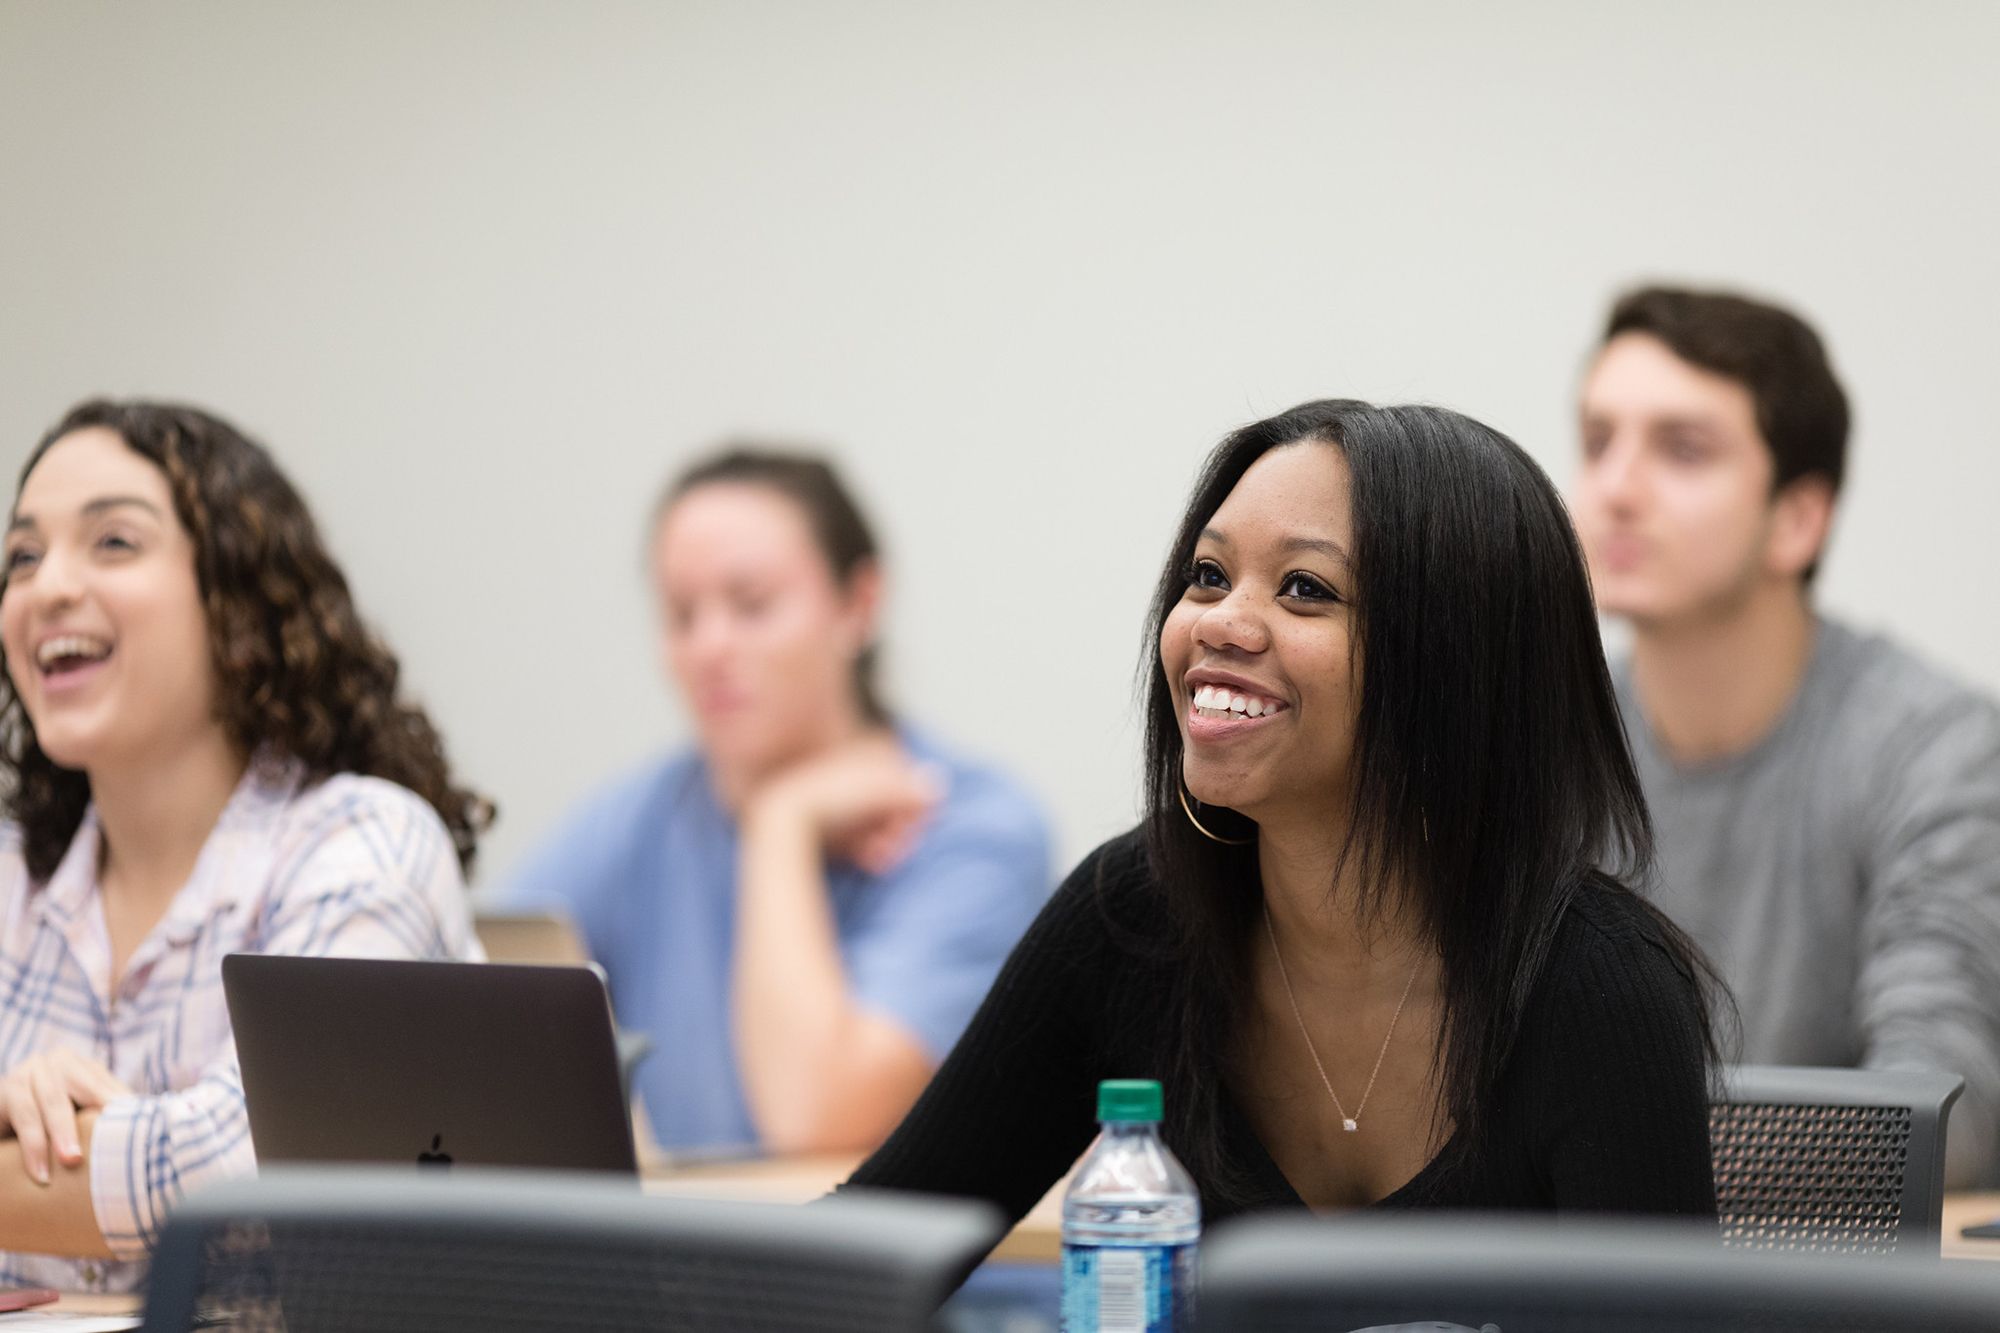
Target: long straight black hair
x,y
1492,778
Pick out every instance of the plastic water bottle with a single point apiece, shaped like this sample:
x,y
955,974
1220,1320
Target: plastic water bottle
x,y
1131,1218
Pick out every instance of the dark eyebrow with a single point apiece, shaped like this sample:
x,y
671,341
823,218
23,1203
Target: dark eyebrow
x,y
1706,425
1331,550
20,522
107,502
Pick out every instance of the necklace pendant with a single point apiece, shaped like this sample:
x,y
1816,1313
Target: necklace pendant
x,y
1349,1125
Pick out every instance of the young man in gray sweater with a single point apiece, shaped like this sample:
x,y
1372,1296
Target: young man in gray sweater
x,y
1827,804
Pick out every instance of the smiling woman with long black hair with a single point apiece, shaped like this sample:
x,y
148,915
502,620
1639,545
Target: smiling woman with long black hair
x,y
1376,932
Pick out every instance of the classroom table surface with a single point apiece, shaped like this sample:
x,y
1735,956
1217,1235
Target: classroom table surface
x,y
79,1303
1963,1210
1037,1239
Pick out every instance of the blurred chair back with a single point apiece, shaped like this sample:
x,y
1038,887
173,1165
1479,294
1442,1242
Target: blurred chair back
x,y
1585,1275
1848,1160
361,1250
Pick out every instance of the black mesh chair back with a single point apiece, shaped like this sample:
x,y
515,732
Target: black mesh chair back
x,y
1536,1275
1846,1160
363,1250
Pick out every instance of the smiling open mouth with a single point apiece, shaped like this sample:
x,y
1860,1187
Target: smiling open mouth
x,y
1213,701
69,653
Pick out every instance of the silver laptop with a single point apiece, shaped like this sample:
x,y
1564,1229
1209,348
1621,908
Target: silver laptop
x,y
433,1064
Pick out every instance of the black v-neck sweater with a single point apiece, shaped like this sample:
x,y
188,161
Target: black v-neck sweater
x,y
1603,1105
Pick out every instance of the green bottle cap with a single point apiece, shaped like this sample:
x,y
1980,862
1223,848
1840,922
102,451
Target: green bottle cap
x,y
1129,1100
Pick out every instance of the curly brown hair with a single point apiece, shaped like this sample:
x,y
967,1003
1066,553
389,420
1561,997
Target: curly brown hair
x,y
297,672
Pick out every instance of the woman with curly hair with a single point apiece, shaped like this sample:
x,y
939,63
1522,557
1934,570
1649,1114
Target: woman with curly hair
x,y
202,752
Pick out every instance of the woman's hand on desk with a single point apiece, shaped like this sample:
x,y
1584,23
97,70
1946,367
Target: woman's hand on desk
x,y
864,801
39,1099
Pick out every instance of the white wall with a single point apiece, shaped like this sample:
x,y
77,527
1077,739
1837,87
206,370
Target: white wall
x,y
484,274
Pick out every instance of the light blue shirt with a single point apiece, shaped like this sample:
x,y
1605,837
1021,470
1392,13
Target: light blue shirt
x,y
647,870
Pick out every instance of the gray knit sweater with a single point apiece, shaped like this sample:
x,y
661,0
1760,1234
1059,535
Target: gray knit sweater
x,y
1844,875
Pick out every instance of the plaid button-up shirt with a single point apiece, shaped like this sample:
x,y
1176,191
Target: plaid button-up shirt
x,y
350,866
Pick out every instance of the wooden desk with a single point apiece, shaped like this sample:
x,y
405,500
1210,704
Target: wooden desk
x,y
129,1306
1038,1239
1964,1210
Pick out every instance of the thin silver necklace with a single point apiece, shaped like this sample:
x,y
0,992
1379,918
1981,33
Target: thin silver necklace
x,y
1350,1123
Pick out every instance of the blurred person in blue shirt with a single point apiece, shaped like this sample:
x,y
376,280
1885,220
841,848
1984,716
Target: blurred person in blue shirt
x,y
803,909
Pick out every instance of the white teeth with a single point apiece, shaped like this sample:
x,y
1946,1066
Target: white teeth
x,y
1215,701
70,645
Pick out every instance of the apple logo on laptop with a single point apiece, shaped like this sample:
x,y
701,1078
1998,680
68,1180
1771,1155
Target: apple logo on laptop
x,y
435,1157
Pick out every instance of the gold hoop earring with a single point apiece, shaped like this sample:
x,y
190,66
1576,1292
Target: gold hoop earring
x,y
1203,829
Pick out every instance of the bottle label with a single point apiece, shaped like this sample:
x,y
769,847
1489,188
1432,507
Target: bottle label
x,y
1127,1289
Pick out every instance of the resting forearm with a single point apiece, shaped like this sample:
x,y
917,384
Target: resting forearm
x,y
1942,1038
1925,1001
56,1218
792,1012
1928,994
